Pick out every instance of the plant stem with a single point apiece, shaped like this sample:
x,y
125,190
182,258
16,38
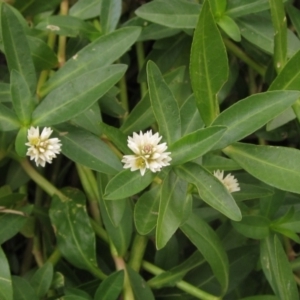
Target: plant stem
x,y
123,96
100,232
141,58
54,257
244,57
62,40
183,285
137,252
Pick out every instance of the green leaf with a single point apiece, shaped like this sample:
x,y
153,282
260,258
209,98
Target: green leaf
x,y
78,95
214,162
43,56
5,92
277,269
293,14
6,292
254,227
178,14
111,46
208,51
110,13
218,7
111,287
280,37
171,208
164,105
269,164
85,9
210,246
270,205
195,144
264,297
88,150
74,234
20,142
248,115
22,289
140,288
35,7
127,183
42,279
8,119
251,191
230,28
115,210
210,189
16,46
21,97
146,211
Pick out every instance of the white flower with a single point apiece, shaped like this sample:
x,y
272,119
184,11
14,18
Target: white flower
x,y
148,154
41,148
229,181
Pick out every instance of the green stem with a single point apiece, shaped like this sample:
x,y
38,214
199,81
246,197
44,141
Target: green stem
x,y
183,285
137,252
123,96
100,232
54,257
62,40
244,57
141,58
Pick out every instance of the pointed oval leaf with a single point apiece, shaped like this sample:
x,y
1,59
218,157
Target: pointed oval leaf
x,y
77,95
21,97
277,268
85,9
110,13
16,46
8,119
195,144
74,234
85,148
22,289
210,189
210,246
164,105
20,142
111,287
171,208
248,115
127,183
42,279
276,166
102,52
208,51
230,28
6,292
175,14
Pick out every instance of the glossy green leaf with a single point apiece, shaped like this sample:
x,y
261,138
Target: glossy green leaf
x,y
277,269
111,47
42,279
230,28
120,235
171,208
35,7
280,37
214,162
140,288
8,119
248,115
110,13
293,14
195,144
146,211
210,246
127,183
78,95
21,97
85,9
178,14
90,150
22,289
254,227
208,51
16,46
43,56
74,234
218,7
270,205
251,191
115,210
269,164
164,105
156,32
210,189
6,292
20,142
111,287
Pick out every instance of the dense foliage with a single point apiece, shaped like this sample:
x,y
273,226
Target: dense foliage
x,y
120,122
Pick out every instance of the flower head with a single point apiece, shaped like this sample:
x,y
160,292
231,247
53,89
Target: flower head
x,y
229,181
41,148
148,153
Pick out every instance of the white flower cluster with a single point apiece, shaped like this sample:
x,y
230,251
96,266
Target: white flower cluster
x,y
148,153
229,181
41,148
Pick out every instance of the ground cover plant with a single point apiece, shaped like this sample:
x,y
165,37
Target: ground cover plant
x,y
149,149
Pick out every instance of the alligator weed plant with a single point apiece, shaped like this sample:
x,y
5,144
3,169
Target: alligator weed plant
x,y
149,149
